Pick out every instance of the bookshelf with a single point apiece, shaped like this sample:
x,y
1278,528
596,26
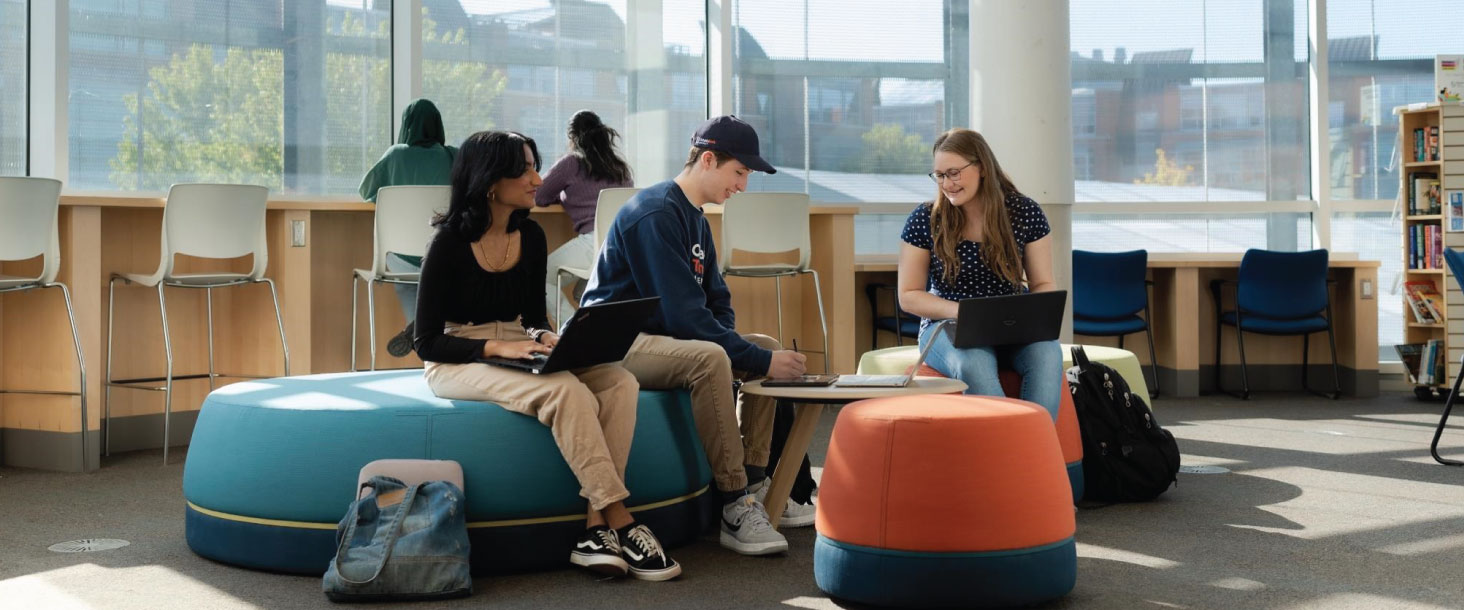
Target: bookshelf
x,y
1431,143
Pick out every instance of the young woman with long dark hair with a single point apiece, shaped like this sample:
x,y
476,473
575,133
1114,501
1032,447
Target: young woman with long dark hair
x,y
481,296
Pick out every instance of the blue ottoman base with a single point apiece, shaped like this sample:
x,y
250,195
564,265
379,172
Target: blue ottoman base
x,y
274,462
537,544
941,580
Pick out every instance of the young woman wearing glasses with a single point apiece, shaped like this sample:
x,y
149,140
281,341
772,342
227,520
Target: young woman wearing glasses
x,y
980,237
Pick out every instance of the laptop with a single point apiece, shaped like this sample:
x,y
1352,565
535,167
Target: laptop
x,y
597,334
1010,320
890,381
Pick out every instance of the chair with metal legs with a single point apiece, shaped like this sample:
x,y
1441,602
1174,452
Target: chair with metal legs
x,y
771,223
1455,261
29,228
1279,293
608,204
1109,293
216,221
403,226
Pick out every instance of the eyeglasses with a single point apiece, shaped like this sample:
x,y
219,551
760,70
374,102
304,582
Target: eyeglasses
x,y
951,175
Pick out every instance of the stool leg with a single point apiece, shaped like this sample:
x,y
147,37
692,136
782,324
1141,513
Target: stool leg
x,y
209,292
279,322
168,379
80,367
355,287
371,320
778,288
107,387
558,298
823,322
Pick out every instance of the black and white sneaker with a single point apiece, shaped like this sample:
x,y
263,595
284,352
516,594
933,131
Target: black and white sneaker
x,y
643,552
598,549
401,344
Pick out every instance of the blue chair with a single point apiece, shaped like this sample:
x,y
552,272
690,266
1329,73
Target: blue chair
x,y
1279,293
902,324
1109,293
1456,267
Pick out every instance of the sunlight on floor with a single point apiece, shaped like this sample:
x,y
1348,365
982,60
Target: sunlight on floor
x,y
1361,600
1090,551
68,588
1342,503
1239,584
1311,436
1424,547
812,603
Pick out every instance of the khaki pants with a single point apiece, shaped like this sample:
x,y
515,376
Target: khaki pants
x,y
660,362
590,412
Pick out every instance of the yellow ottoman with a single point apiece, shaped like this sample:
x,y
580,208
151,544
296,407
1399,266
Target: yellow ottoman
x,y
896,360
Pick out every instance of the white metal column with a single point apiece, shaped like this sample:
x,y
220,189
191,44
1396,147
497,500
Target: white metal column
x,y
1321,135
720,36
406,58
49,89
1021,101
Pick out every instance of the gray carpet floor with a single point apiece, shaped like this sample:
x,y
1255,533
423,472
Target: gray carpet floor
x,y
1325,505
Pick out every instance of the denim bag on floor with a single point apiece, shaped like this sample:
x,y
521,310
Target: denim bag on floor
x,y
401,543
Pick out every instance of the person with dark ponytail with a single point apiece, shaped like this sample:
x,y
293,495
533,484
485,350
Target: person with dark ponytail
x,y
575,182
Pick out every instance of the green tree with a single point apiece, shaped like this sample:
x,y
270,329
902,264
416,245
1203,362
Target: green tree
x,y
464,91
1166,172
205,119
889,150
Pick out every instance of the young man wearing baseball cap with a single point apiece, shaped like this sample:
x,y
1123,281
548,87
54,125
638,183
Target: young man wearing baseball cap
x,y
660,245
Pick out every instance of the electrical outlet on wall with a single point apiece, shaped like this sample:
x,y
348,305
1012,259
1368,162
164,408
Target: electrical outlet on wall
x,y
1367,289
297,233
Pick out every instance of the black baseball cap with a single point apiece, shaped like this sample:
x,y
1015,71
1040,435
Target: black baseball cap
x,y
733,136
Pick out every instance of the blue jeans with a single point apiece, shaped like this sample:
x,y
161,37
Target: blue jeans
x,y
1039,364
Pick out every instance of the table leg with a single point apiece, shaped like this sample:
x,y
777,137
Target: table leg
x,y
805,420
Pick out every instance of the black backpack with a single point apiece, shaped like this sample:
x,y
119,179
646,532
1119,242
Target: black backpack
x,y
1127,457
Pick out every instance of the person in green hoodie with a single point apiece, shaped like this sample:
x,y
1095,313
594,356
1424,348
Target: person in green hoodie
x,y
421,156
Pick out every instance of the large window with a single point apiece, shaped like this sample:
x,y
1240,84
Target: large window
x,y
848,96
13,41
1380,55
529,65
1206,103
294,96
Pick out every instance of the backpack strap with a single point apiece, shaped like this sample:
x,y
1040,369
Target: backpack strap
x,y
1080,358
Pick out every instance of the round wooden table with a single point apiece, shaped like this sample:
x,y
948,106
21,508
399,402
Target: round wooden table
x,y
809,403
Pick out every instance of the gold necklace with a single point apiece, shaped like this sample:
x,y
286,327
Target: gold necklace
x,y
507,245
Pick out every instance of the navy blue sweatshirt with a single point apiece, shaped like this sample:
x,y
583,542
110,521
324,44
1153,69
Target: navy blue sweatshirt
x,y
661,245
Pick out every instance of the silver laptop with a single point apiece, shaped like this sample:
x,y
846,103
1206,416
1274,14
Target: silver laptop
x,y
890,381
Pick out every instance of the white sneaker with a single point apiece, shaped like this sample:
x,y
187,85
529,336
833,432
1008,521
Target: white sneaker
x,y
745,529
795,514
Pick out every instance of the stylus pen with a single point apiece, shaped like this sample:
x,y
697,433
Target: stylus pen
x,y
795,346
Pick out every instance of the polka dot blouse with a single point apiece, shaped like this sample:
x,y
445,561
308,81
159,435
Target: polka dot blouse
x,y
976,279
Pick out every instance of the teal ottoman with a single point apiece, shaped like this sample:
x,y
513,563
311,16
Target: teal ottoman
x,y
273,463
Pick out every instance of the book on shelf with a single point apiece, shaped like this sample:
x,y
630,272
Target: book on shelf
x,y
1454,211
1423,300
1410,354
1423,193
1449,78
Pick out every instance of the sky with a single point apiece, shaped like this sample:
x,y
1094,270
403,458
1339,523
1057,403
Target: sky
x,y
1217,30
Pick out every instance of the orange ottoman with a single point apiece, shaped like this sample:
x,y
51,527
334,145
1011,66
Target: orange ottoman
x,y
1069,435
939,501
